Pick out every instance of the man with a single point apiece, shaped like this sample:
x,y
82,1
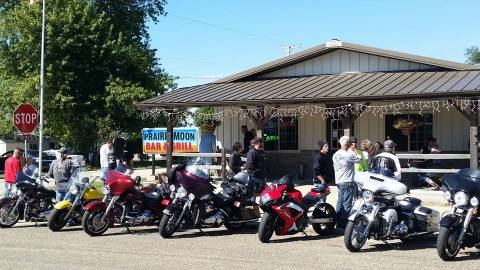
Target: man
x,y
344,161
105,152
256,159
208,144
61,169
387,163
247,138
321,163
13,165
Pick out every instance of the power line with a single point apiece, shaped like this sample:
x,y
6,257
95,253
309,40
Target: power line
x,y
246,34
193,61
197,78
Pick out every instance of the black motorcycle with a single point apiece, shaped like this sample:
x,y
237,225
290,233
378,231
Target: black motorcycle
x,y
195,204
461,227
30,202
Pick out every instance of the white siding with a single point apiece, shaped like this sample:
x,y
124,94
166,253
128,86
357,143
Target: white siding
x,y
341,60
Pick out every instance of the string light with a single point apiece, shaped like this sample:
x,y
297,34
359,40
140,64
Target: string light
x,y
269,112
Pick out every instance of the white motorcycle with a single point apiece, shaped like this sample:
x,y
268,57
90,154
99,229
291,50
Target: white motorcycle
x,y
384,212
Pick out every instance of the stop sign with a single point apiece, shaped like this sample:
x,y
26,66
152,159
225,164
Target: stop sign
x,y
25,118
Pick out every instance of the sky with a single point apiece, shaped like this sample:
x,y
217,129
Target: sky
x,y
202,40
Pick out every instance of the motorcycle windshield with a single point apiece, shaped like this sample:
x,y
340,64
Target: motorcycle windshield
x,y
199,167
115,176
75,177
462,181
28,174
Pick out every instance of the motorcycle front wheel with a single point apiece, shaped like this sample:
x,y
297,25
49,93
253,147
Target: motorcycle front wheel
x,y
7,217
92,223
266,227
447,243
168,224
355,235
324,211
58,219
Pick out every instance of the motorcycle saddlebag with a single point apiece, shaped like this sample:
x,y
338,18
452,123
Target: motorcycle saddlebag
x,y
249,210
427,219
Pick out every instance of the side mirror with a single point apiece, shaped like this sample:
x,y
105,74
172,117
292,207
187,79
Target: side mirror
x,y
138,180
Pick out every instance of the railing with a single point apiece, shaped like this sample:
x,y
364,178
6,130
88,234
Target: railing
x,y
431,156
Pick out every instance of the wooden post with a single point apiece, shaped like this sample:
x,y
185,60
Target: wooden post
x,y
347,128
473,147
153,164
169,143
224,165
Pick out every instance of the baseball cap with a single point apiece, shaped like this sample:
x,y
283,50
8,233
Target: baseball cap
x,y
62,150
257,140
389,144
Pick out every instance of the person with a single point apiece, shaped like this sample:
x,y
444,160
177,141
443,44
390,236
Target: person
x,y
321,163
61,169
387,163
344,161
361,166
247,138
105,152
208,143
433,179
256,158
235,162
13,165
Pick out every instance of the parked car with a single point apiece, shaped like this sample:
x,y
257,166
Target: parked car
x,y
78,158
46,159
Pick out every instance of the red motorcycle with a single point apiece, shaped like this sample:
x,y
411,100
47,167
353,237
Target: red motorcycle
x,y
285,210
129,205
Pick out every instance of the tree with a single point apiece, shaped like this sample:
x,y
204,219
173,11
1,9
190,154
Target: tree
x,y
473,55
99,65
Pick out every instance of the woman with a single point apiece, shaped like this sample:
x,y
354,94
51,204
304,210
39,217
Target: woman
x,y
321,163
235,163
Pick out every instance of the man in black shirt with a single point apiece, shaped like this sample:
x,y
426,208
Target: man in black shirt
x,y
247,138
256,159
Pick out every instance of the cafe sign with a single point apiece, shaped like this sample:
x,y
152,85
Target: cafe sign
x,y
185,140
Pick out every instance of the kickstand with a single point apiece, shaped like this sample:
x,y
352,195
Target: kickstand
x,y
390,245
128,229
201,231
305,233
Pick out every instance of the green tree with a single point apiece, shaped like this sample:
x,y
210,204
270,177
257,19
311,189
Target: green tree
x,y
99,65
473,55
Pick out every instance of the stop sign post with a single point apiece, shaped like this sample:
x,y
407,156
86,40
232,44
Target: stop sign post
x,y
25,118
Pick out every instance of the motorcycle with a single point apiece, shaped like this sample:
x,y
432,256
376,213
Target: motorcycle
x,y
71,209
461,227
285,210
381,213
128,205
195,203
31,201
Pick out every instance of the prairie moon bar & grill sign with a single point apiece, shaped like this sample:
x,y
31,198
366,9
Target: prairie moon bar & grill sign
x,y
185,140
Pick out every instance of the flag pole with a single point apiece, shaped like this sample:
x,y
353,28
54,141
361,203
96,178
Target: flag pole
x,y
42,85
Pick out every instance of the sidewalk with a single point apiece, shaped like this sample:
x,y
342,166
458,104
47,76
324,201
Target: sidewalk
x,y
430,198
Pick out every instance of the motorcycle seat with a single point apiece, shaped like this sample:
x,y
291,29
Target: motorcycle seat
x,y
152,197
409,203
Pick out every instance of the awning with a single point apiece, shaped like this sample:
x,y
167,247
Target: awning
x,y
347,87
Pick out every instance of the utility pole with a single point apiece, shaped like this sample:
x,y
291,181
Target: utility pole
x,y
290,48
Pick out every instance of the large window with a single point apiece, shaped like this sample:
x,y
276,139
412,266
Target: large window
x,y
281,133
409,131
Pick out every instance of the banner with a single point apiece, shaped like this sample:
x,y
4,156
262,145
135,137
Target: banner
x,y
185,140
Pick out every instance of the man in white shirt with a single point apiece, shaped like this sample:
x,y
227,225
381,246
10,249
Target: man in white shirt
x,y
105,151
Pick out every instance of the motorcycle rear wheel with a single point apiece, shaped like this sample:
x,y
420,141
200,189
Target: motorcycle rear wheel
x,y
327,212
8,219
353,241
447,247
167,226
92,224
57,219
266,227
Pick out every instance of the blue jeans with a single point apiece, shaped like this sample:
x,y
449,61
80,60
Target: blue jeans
x,y
105,173
7,187
346,194
60,196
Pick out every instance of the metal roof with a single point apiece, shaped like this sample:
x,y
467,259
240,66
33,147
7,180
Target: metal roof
x,y
325,88
335,45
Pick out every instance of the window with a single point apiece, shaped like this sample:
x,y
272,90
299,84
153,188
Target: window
x,y
409,131
281,133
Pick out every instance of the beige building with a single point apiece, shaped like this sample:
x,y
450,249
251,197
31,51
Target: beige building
x,y
341,88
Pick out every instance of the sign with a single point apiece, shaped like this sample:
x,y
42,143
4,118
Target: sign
x,y
25,118
185,140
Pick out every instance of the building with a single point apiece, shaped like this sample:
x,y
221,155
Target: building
x,y
336,89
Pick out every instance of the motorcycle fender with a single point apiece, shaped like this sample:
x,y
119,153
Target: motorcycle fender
x,y
353,216
96,205
63,205
450,221
170,209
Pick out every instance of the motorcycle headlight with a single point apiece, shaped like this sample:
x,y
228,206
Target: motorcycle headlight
x,y
460,198
172,188
474,201
181,192
106,190
264,198
447,195
368,196
74,190
19,192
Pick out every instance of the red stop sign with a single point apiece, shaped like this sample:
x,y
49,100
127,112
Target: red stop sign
x,y
25,118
